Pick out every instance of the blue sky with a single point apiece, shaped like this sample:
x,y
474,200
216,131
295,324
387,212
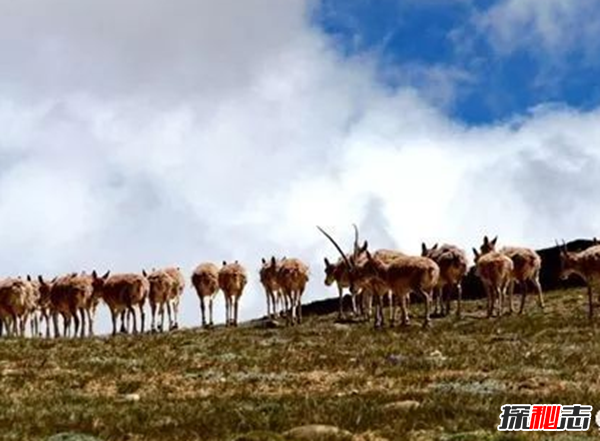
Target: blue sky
x,y
500,57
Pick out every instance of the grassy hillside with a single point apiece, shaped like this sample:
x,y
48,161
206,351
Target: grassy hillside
x,y
214,385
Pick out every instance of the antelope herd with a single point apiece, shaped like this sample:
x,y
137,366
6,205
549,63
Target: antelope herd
x,y
371,277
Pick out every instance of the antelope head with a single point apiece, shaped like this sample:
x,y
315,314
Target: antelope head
x,y
329,272
426,252
568,261
488,245
348,262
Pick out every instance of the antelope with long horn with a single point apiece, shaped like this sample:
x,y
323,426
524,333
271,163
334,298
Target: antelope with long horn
x,y
585,264
527,265
340,271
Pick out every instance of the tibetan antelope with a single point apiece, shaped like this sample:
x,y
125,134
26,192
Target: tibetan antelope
x,y
232,280
453,267
177,288
585,264
205,280
339,274
403,275
526,269
292,277
17,302
495,271
158,296
121,293
373,287
358,278
268,279
69,296
35,314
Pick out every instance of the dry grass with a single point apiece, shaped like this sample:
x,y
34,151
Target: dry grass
x,y
213,385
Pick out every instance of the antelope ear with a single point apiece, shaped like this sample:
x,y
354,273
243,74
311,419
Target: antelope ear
x,y
41,280
263,260
435,247
224,263
144,273
495,240
105,276
364,247
476,253
273,261
485,240
28,278
423,249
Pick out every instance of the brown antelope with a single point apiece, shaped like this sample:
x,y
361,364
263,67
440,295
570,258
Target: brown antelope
x,y
403,275
375,287
585,264
496,273
360,280
70,296
161,285
232,280
45,304
268,278
292,277
16,303
526,268
338,272
205,280
35,312
121,292
177,288
453,267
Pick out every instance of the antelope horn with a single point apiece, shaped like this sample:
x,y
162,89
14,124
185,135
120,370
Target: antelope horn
x,y
355,238
337,247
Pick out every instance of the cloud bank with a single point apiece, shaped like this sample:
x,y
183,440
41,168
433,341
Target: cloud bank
x,y
162,133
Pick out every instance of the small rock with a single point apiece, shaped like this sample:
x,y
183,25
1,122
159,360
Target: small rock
x,y
260,436
72,437
318,432
395,359
402,406
437,357
131,397
368,436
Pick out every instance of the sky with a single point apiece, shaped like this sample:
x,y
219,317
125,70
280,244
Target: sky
x,y
151,133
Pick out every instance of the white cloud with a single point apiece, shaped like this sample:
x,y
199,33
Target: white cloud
x,y
551,26
208,132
